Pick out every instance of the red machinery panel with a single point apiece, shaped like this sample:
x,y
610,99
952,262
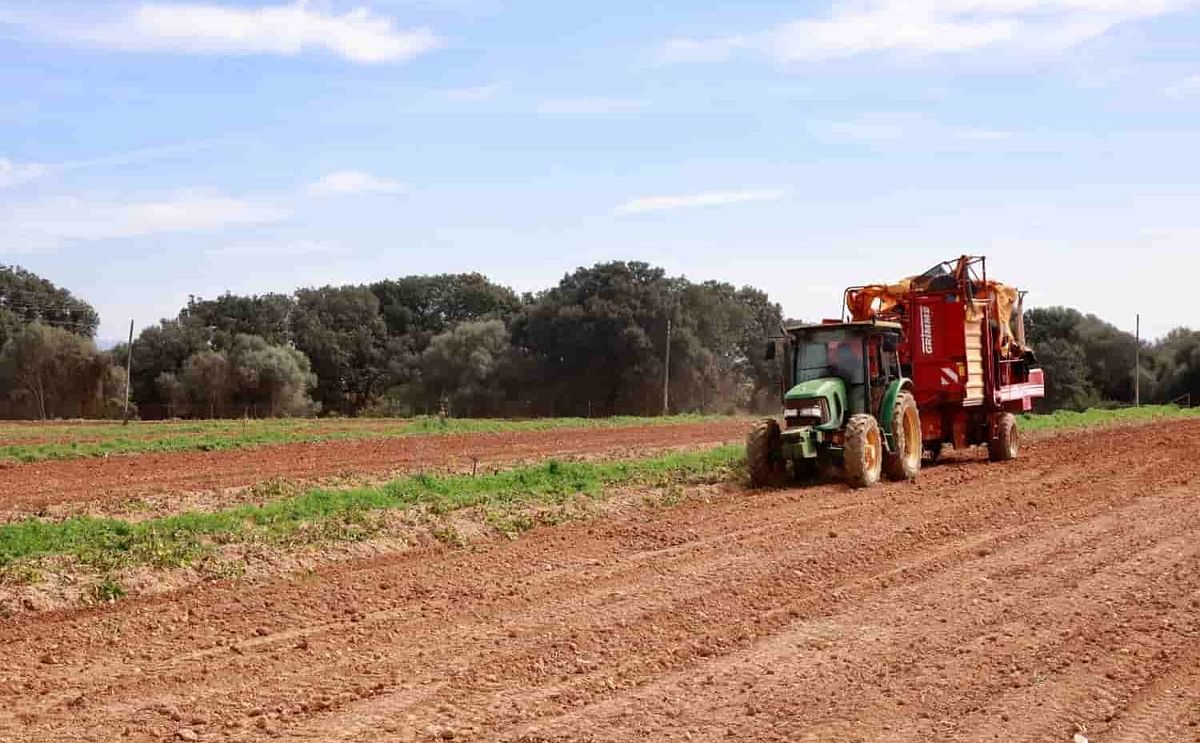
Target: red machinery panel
x,y
937,348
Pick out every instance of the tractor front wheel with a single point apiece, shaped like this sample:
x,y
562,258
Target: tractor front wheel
x,y
904,461
764,457
864,451
1005,443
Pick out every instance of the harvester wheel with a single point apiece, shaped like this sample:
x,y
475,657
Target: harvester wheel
x,y
1006,442
934,450
764,456
904,461
864,451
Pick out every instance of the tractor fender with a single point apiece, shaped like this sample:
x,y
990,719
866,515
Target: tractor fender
x,y
888,406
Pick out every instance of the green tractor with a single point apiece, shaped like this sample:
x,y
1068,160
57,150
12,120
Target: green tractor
x,y
847,408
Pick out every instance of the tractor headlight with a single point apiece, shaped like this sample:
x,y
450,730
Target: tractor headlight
x,y
806,412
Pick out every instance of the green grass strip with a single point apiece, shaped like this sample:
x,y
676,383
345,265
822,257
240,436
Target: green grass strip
x,y
178,540
1067,419
148,438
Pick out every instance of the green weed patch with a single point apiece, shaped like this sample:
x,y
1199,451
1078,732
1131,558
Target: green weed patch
x,y
165,437
1067,419
323,514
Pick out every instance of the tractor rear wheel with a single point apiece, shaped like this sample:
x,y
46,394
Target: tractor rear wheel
x,y
904,461
1005,443
764,457
864,451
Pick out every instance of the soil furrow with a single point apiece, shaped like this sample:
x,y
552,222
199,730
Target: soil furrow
x,y
1011,602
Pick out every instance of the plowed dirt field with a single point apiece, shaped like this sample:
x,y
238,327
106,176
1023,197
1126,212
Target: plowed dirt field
x,y
1029,601
29,488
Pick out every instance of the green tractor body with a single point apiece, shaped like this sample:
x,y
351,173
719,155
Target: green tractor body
x,y
847,408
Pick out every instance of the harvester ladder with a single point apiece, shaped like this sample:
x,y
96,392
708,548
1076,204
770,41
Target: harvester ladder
x,y
973,327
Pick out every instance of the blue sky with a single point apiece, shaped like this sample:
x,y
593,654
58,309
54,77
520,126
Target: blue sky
x,y
153,150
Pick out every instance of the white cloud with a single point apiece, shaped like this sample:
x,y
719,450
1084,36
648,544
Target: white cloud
x,y
708,198
343,182
358,35
13,174
1184,88
43,226
594,106
853,27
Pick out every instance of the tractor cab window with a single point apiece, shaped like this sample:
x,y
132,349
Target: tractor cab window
x,y
833,353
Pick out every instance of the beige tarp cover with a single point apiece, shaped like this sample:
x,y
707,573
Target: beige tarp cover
x,y
881,299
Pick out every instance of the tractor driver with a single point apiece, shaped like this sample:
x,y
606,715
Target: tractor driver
x,y
846,360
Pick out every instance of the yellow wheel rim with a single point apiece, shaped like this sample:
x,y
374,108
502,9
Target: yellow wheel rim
x,y
911,432
872,450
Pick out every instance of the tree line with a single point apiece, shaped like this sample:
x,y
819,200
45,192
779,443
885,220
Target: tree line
x,y
595,344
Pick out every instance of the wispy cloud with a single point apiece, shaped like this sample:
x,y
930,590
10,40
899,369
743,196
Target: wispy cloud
x,y
358,35
854,27
1185,88
887,128
345,182
34,227
13,174
708,198
591,106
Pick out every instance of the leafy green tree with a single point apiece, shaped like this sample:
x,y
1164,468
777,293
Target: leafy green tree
x,y
207,380
172,392
1107,354
267,316
27,298
597,340
343,334
158,350
1067,379
465,367
1174,366
273,379
48,372
425,306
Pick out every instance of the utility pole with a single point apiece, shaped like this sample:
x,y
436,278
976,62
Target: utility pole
x,y
1137,365
667,373
128,371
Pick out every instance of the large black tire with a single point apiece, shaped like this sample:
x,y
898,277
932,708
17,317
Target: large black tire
x,y
764,458
864,451
904,461
1005,443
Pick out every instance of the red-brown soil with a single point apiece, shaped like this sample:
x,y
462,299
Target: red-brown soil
x,y
1025,601
29,488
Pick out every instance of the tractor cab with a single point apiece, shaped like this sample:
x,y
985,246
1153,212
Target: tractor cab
x,y
846,406
853,362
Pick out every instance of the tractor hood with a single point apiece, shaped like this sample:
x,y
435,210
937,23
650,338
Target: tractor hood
x,y
830,389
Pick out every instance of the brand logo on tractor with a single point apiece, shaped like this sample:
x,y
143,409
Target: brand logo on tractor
x,y
926,330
